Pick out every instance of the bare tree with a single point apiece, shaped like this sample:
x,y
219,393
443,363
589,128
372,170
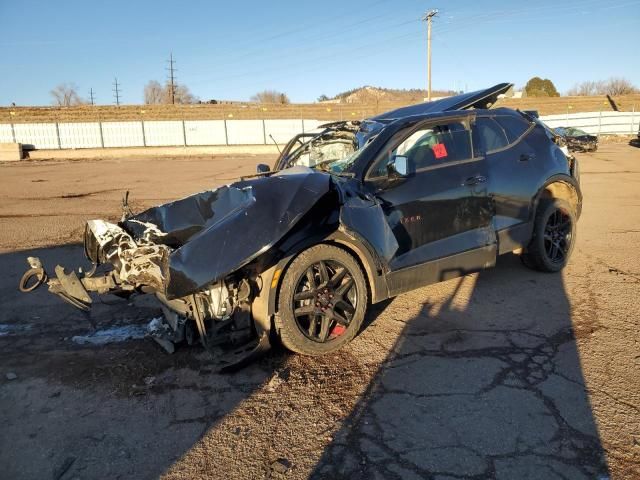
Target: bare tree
x,y
66,95
182,94
613,86
270,96
619,86
153,93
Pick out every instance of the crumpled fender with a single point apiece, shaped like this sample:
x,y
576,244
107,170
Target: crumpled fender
x,y
362,217
217,232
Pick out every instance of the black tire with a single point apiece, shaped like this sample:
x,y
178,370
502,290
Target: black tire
x,y
323,300
554,235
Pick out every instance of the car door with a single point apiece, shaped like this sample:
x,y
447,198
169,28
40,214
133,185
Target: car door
x,y
433,192
513,172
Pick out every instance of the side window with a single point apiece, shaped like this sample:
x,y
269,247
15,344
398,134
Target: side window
x,y
489,134
429,146
513,126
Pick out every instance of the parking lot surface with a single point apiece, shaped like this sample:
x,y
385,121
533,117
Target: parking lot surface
x,y
507,373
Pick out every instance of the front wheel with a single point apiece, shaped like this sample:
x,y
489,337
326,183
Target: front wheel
x,y
322,301
554,236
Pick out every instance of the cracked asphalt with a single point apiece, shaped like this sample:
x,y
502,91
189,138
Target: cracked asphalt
x,y
507,373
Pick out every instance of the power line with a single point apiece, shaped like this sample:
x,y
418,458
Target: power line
x,y
304,55
91,99
172,79
116,92
305,48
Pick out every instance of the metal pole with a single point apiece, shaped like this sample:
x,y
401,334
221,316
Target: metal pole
x,y
264,132
58,136
428,17
13,133
184,134
226,134
429,59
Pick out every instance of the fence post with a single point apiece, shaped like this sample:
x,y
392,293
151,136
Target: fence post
x,y
101,134
264,131
600,122
226,134
13,133
58,136
184,134
144,137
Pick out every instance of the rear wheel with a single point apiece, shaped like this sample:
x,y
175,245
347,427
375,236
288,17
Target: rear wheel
x,y
553,238
322,301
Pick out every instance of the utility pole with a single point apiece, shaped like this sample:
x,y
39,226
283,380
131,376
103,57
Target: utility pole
x,y
91,96
116,92
428,18
172,79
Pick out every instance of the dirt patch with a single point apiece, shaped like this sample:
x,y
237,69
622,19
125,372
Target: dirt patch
x,y
504,374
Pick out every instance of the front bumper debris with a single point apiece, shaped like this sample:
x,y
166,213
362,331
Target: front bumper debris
x,y
68,286
137,267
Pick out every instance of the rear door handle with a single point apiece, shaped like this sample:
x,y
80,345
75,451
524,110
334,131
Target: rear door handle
x,y
469,182
525,157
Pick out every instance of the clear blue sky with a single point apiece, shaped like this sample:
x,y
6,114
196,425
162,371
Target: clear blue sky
x,y
230,50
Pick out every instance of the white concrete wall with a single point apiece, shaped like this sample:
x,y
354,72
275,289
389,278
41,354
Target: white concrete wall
x,y
282,130
79,135
614,123
122,134
5,133
163,133
245,132
239,132
40,135
205,132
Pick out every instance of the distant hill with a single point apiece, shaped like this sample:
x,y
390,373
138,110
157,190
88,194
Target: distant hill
x,y
369,94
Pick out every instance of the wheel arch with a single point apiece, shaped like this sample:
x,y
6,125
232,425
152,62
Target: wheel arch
x,y
265,303
559,186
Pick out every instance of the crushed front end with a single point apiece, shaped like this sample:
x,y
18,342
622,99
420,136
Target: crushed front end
x,y
204,257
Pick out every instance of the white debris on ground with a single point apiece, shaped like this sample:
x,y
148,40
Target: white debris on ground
x,y
6,329
155,326
112,335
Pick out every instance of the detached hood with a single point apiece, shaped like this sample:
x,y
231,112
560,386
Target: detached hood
x,y
478,99
213,233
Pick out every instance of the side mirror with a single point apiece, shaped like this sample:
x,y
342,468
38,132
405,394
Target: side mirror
x,y
398,167
263,168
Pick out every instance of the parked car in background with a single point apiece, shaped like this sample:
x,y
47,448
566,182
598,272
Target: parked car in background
x,y
356,214
578,140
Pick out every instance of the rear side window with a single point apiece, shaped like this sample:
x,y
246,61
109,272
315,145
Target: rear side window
x,y
513,126
489,134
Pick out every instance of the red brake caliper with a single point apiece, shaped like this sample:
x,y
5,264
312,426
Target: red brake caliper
x,y
337,331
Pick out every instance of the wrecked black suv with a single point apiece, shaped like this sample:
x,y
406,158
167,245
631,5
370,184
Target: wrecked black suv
x,y
352,215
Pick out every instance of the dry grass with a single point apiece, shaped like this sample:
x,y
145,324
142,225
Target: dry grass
x,y
545,106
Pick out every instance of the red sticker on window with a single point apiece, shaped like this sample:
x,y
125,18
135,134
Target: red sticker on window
x,y
439,150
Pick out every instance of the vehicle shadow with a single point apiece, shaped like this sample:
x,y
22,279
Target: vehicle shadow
x,y
123,410
485,381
